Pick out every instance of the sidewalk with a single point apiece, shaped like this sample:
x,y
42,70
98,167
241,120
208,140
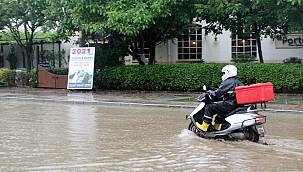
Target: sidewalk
x,y
283,102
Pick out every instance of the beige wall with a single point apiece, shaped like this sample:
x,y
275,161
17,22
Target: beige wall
x,y
276,55
219,50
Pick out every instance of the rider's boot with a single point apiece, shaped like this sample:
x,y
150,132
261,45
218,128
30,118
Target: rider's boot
x,y
218,126
204,126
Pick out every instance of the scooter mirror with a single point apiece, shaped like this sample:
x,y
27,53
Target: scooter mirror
x,y
204,87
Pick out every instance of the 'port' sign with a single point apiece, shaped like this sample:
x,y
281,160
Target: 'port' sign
x,y
290,41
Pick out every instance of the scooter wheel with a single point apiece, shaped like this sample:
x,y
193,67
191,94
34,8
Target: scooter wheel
x,y
192,127
252,135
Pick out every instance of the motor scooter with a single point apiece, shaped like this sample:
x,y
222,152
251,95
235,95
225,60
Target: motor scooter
x,y
243,123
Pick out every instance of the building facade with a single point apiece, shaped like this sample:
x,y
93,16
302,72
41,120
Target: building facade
x,y
197,46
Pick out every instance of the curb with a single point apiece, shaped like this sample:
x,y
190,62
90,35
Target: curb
x,y
120,103
113,103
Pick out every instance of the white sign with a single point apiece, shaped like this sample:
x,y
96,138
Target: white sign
x,y
81,68
290,41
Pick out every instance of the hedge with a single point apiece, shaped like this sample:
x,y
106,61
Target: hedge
x,y
10,77
6,77
57,70
191,77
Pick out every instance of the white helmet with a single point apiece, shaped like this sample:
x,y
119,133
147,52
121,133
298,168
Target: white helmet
x,y
228,71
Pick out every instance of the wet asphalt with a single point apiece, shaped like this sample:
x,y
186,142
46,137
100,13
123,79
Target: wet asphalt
x,y
64,130
282,102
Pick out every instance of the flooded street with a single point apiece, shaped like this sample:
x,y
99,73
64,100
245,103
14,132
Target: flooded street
x,y
81,137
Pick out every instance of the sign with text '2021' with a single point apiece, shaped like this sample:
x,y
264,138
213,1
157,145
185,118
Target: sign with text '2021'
x,y
81,68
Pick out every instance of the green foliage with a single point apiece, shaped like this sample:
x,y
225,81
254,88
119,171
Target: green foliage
x,y
160,77
22,18
7,37
150,21
18,78
57,70
21,78
52,58
32,78
46,36
191,77
243,58
266,17
5,77
127,17
295,14
109,55
292,60
261,17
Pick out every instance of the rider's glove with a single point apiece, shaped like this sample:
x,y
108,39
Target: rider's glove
x,y
207,98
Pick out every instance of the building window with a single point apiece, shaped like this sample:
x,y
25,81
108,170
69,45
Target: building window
x,y
244,45
190,45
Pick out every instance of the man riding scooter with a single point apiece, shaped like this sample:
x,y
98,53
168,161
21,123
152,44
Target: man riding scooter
x,y
224,99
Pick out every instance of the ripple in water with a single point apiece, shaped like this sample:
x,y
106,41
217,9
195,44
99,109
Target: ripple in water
x,y
187,135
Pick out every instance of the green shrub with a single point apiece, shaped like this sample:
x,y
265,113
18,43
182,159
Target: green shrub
x,y
191,77
52,58
285,77
21,78
32,78
292,60
57,70
178,77
6,77
109,55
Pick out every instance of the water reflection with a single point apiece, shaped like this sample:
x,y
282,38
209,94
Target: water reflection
x,y
81,123
82,134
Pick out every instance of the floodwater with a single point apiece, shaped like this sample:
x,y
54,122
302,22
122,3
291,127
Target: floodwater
x,y
73,137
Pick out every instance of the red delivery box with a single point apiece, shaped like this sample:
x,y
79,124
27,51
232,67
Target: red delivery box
x,y
255,93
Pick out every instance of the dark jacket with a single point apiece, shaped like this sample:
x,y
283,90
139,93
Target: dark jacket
x,y
226,90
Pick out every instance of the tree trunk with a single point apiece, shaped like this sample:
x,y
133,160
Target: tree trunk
x,y
259,46
82,38
141,53
152,50
28,53
133,51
